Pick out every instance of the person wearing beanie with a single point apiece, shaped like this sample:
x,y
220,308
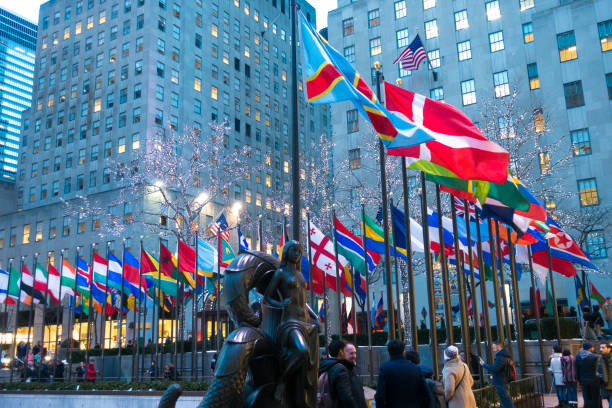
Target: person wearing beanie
x,y
586,371
457,380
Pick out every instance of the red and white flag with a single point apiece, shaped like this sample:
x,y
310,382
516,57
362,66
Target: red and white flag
x,y
323,255
53,284
458,145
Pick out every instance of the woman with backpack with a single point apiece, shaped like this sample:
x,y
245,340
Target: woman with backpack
x,y
457,381
570,378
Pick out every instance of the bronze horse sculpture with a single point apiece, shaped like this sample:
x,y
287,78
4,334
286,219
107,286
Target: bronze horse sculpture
x,y
271,359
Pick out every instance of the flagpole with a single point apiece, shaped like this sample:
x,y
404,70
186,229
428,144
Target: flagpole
x,y
465,327
14,353
160,308
552,290
502,279
413,322
444,266
260,233
103,329
433,335
312,298
367,273
218,299
483,290
397,281
31,312
136,320
537,316
354,304
518,318
8,285
90,306
180,326
295,140
475,314
59,304
385,206
337,271
120,314
498,315
44,320
194,312
72,317
144,331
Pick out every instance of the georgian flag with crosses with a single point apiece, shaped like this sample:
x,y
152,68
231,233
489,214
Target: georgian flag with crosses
x,y
323,255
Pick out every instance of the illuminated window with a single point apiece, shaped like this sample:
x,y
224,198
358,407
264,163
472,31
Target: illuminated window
x,y
566,42
136,141
258,199
66,33
400,9
605,35
431,28
544,163
90,22
468,92
526,4
500,83
348,26
286,166
402,38
434,59
197,84
214,30
464,50
538,120
496,41
581,142
78,28
213,92
461,20
492,9
587,189
375,46
527,33
532,74
121,145
26,234
355,158
373,18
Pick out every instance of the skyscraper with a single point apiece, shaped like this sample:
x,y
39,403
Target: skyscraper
x,y
17,53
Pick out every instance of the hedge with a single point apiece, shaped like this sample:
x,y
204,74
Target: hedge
x,y
104,386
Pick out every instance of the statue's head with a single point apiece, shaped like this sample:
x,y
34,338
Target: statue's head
x,y
292,252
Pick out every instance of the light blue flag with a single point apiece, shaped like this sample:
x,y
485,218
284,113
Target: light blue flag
x,y
207,259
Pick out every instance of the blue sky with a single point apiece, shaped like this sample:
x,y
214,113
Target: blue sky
x,y
29,9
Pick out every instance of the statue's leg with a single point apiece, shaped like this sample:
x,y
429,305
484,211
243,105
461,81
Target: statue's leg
x,y
297,363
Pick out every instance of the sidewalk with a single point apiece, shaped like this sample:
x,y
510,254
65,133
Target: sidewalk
x,y
550,400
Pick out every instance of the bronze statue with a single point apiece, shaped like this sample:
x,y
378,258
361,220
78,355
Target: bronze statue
x,y
271,359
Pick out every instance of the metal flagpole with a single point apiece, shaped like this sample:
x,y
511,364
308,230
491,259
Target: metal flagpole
x,y
475,314
337,271
90,306
354,304
180,324
310,269
218,300
433,335
483,290
160,297
500,257
552,290
498,315
44,319
32,304
144,330
465,327
295,140
385,206
194,312
120,315
16,319
448,314
537,316
59,305
367,272
104,311
413,322
72,319
136,320
518,318
395,264
260,233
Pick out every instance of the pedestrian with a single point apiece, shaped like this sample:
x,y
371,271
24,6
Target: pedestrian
x,y
152,371
557,373
435,388
500,369
568,366
43,372
606,370
400,382
334,384
588,325
598,320
213,362
170,372
58,372
457,381
350,353
90,373
606,310
27,373
586,370
80,372
572,312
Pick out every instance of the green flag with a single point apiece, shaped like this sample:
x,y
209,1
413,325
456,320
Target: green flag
x,y
14,285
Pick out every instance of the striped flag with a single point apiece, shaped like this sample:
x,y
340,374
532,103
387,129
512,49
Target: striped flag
x,y
413,55
4,283
221,226
53,284
460,209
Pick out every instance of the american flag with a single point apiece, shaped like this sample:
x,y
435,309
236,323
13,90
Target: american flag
x,y
460,209
413,55
220,226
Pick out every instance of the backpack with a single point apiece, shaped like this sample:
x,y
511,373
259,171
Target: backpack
x,y
510,371
324,398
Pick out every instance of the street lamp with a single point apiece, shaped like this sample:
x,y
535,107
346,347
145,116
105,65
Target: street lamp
x,y
202,198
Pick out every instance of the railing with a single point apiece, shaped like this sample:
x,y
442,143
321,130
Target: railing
x,y
526,393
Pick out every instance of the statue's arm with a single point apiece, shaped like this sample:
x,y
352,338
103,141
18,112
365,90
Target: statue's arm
x,y
268,295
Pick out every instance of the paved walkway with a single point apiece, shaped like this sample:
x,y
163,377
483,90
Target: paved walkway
x,y
550,400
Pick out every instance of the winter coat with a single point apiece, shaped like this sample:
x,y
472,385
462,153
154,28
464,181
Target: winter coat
x,y
458,384
339,381
401,385
586,366
606,370
357,388
606,310
568,366
90,373
498,369
556,369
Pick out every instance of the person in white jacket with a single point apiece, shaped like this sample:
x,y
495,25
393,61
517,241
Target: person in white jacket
x,y
557,375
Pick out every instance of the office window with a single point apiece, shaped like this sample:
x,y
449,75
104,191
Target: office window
x,y
437,94
526,4
496,41
403,72
464,50
605,35
375,46
431,28
581,142
567,46
434,59
461,20
573,94
352,120
400,9
468,92
609,84
506,127
587,190
349,53
500,84
596,244
373,18
427,4
532,74
39,231
402,38
538,120
66,226
355,158
26,234
348,26
492,10
52,228
159,93
544,162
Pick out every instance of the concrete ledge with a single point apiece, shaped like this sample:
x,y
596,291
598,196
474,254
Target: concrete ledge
x,y
90,399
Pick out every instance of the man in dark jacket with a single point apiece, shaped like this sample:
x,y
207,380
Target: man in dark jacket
x,y
400,382
499,370
586,371
338,370
350,353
